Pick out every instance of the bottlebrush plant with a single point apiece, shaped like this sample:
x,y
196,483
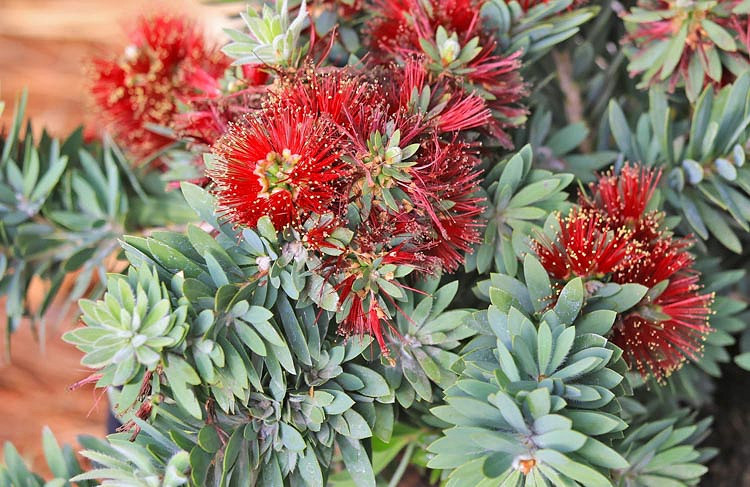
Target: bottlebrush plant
x,y
482,242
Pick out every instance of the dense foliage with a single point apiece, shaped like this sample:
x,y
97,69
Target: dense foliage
x,y
492,242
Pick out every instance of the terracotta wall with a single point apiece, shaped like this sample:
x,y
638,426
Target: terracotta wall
x,y
44,45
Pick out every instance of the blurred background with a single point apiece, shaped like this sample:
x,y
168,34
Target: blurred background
x,y
45,46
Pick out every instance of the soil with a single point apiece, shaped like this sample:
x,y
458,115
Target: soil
x,y
731,430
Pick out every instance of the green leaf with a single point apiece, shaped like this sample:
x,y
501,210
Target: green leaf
x,y
674,53
561,440
416,377
269,333
510,411
50,178
570,301
266,229
250,338
179,374
208,439
538,283
620,129
323,293
625,298
375,384
544,347
538,402
390,288
357,461
577,368
576,471
293,331
599,322
310,469
200,462
692,215
719,228
54,455
743,360
201,201
358,427
600,454
721,37
258,314
291,438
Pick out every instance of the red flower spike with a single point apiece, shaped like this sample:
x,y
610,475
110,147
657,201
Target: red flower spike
x,y
441,172
254,75
660,261
449,174
460,234
613,238
209,118
390,28
688,19
281,164
463,113
658,336
452,110
586,247
624,197
346,96
325,137
360,322
168,61
406,27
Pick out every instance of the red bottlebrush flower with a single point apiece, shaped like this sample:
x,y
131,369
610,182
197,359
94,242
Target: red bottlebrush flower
x,y
361,321
281,164
661,333
526,5
624,197
344,95
449,36
334,145
254,75
366,314
449,110
463,113
499,77
456,238
614,239
393,28
661,260
168,61
209,118
650,41
442,174
390,28
586,247
446,190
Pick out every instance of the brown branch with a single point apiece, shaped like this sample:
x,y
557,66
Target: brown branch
x,y
569,87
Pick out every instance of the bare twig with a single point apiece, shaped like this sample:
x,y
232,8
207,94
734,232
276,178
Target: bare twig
x,y
573,102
